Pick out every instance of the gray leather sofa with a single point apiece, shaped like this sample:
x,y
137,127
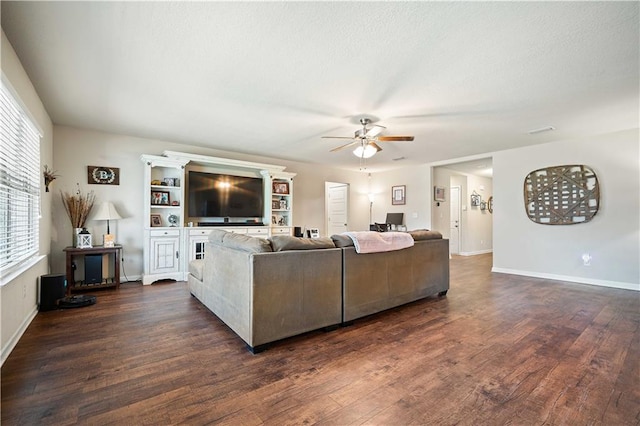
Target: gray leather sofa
x,y
267,290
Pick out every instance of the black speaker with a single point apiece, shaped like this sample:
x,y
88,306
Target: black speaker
x,y
93,269
52,289
297,231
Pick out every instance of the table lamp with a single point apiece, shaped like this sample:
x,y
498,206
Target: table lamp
x,y
107,211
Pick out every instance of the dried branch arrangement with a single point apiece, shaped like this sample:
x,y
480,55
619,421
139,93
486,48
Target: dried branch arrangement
x,y
78,206
49,176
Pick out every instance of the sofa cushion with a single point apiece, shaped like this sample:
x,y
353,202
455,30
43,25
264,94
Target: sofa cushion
x,y
287,242
425,234
216,236
196,267
341,240
246,243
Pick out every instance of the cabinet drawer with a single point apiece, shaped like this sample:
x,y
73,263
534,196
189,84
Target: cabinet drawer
x,y
280,231
199,232
258,231
235,230
166,233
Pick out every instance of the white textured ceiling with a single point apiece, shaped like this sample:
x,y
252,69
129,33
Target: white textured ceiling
x,y
271,78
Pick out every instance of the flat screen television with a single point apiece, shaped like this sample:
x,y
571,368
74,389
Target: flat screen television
x,y
212,196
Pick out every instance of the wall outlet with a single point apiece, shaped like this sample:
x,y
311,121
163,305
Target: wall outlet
x,y
586,259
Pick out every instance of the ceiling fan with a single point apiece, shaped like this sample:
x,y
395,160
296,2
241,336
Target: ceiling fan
x,y
365,139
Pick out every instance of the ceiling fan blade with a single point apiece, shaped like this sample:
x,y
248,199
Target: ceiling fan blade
x,y
344,146
376,146
337,137
395,138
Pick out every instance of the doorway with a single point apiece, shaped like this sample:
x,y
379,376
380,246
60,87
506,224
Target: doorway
x,y
337,207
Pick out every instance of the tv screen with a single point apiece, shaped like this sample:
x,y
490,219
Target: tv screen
x,y
212,195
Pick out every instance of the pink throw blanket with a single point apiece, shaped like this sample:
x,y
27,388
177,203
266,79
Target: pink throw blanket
x,y
373,242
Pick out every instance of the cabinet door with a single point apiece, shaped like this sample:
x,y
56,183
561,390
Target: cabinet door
x,y
165,255
197,245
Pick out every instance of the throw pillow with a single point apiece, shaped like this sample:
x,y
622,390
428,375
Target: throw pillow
x,y
287,242
246,243
425,234
341,240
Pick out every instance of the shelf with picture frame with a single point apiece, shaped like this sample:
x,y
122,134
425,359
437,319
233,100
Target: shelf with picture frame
x,y
280,196
163,231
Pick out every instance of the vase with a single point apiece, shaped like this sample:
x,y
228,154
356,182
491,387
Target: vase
x,y
76,231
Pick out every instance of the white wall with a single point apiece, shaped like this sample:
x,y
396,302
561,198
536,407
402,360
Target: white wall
x,y
75,149
612,238
19,292
417,210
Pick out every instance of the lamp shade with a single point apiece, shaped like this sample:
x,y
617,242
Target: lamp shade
x,y
106,211
365,151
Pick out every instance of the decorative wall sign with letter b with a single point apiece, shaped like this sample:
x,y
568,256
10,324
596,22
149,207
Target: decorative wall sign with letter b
x,y
103,175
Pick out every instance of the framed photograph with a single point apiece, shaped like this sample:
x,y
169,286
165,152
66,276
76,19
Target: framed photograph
x,y
475,200
170,181
156,220
160,198
275,204
281,188
438,193
398,195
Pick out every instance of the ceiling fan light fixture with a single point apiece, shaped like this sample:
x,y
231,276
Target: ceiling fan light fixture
x,y
365,151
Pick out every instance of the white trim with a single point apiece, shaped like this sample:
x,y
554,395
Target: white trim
x,y
13,341
474,253
18,99
579,280
19,269
205,159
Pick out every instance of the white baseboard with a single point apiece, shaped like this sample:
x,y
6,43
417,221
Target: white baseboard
x,y
579,280
474,253
13,341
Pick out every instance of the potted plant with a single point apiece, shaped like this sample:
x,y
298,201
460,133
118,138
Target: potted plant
x,y
78,207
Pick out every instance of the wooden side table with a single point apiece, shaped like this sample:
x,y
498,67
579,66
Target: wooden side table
x,y
73,253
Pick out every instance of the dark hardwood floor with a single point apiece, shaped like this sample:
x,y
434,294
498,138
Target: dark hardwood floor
x,y
498,349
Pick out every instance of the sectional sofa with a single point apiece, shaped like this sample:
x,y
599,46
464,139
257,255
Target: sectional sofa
x,y
269,289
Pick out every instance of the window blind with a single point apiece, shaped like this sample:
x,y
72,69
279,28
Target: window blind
x,y
19,184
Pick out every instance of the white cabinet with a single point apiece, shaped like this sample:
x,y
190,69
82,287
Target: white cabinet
x,y
169,245
165,253
197,238
163,201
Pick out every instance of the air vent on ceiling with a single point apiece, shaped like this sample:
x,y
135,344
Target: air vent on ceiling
x,y
540,130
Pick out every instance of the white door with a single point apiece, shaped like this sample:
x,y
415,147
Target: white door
x,y
454,228
337,209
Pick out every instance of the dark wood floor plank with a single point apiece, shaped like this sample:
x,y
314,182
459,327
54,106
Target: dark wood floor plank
x,y
498,349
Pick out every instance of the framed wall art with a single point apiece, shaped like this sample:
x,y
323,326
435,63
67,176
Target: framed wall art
x,y
475,199
438,193
101,175
398,195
